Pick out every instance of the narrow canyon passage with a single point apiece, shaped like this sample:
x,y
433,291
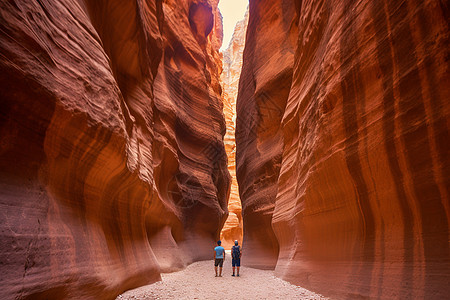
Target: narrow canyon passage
x,y
231,72
129,144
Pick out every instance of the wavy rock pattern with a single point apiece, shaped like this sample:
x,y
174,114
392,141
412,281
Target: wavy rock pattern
x,y
358,199
232,64
263,91
112,158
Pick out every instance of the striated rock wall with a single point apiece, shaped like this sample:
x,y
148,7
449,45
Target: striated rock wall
x,y
232,64
263,90
359,200
112,163
189,158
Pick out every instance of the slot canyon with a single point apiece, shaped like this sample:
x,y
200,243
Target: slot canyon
x,y
130,144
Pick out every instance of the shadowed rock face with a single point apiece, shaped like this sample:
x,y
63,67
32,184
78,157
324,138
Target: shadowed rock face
x,y
263,91
353,172
112,163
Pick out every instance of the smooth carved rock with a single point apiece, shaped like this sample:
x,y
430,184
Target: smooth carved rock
x,y
263,91
111,144
190,165
232,64
359,202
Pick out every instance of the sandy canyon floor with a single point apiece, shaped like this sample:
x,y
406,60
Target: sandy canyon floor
x,y
197,281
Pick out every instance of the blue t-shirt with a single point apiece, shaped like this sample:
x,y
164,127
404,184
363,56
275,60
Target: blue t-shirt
x,y
219,251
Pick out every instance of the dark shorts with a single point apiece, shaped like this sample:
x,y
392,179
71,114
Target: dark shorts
x,y
236,262
218,262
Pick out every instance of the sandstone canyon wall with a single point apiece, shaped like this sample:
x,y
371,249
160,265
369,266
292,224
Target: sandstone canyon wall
x,y
343,147
232,64
263,91
112,161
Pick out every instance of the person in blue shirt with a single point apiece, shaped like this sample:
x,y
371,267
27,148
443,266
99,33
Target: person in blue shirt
x,y
219,257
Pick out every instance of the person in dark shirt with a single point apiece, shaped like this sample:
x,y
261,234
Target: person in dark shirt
x,y
236,257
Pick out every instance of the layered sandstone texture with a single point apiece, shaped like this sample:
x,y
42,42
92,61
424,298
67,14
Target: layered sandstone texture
x,y
263,91
232,65
112,163
351,177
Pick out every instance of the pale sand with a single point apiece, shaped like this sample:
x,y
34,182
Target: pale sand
x,y
198,281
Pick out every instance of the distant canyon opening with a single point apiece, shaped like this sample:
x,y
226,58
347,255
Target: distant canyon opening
x,y
231,70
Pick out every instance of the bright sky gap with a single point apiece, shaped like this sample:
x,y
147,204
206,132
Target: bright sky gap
x,y
232,11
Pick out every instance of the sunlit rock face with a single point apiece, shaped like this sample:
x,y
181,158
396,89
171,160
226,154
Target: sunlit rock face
x,y
359,202
232,64
112,161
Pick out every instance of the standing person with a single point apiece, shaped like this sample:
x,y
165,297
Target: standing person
x,y
236,257
219,257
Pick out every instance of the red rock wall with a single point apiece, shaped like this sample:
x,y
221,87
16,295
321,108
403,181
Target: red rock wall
x,y
190,164
112,162
362,188
263,91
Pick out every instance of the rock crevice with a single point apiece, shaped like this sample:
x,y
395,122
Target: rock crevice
x,y
232,64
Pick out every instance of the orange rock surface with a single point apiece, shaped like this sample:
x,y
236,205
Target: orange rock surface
x,y
263,91
112,163
351,167
232,64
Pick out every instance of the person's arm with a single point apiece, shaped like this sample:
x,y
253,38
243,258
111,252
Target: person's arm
x,y
214,254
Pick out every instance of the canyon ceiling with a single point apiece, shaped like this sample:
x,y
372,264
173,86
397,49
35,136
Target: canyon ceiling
x,y
117,144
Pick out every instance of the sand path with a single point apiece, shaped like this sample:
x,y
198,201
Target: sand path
x,y
197,281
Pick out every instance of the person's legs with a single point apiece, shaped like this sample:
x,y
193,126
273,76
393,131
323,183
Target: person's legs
x,y
220,267
233,264
238,265
216,263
